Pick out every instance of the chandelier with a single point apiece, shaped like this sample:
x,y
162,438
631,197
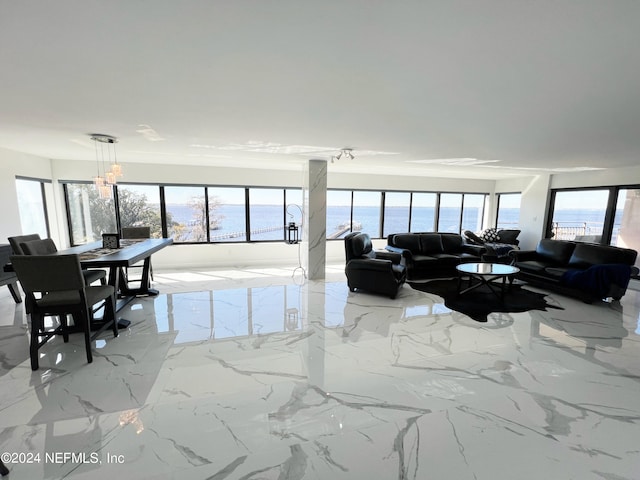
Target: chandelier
x,y
108,168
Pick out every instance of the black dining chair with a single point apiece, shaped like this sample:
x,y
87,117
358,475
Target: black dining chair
x,y
17,241
135,233
47,246
54,286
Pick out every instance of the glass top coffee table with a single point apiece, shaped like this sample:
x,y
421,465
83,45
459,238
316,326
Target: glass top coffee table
x,y
493,275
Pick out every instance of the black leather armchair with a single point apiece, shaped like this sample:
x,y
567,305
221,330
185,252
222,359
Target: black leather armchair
x,y
378,272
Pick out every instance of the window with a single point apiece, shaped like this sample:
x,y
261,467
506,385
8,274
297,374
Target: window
x,y
579,215
396,212
185,206
294,208
366,212
450,212
338,213
228,215
508,213
89,215
139,206
626,224
423,212
473,212
32,206
266,213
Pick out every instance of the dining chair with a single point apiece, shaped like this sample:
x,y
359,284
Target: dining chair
x,y
135,233
47,246
54,286
17,241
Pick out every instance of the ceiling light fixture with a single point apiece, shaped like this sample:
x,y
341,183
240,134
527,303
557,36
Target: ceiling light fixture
x,y
109,176
344,152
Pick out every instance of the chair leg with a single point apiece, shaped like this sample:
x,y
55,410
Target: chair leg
x,y
110,309
15,292
65,327
86,328
33,346
3,469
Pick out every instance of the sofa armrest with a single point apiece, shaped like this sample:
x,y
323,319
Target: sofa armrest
x,y
477,250
395,257
522,255
402,251
370,264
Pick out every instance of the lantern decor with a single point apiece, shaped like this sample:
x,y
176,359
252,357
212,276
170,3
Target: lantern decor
x,y
292,235
291,229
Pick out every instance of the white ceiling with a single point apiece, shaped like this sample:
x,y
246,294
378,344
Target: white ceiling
x,y
518,85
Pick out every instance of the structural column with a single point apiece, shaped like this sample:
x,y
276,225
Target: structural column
x,y
315,218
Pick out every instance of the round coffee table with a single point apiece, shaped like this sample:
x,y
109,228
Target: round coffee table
x,y
489,274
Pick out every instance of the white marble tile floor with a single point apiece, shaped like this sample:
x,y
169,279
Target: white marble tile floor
x,y
258,374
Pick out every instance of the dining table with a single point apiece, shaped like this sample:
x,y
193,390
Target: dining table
x,y
115,260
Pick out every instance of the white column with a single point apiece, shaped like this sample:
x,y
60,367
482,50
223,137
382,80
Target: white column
x,y
315,218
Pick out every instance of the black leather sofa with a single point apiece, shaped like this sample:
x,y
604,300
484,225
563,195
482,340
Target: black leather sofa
x,y
582,270
374,271
433,254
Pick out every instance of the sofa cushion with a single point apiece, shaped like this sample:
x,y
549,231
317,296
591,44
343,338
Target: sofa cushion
x,y
451,243
585,255
555,251
408,241
509,236
430,243
533,266
447,259
424,259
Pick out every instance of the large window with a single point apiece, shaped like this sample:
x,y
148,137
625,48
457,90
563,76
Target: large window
x,y
450,212
227,214
89,215
508,211
32,206
579,215
338,213
266,209
185,206
626,224
201,214
366,212
139,206
397,206
423,212
473,207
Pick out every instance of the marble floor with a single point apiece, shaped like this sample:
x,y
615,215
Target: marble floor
x,y
258,374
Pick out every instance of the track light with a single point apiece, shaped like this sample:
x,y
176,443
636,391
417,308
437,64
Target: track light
x,y
345,152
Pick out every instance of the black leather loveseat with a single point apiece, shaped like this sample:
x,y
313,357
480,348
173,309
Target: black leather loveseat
x,y
583,270
432,254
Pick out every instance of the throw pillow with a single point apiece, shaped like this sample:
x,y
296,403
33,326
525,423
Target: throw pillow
x,y
473,238
490,235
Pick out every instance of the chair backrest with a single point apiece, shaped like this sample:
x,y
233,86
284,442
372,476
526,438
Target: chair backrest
x,y
129,233
39,247
48,273
358,245
16,242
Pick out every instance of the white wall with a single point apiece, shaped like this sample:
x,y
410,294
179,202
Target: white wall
x,y
14,164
